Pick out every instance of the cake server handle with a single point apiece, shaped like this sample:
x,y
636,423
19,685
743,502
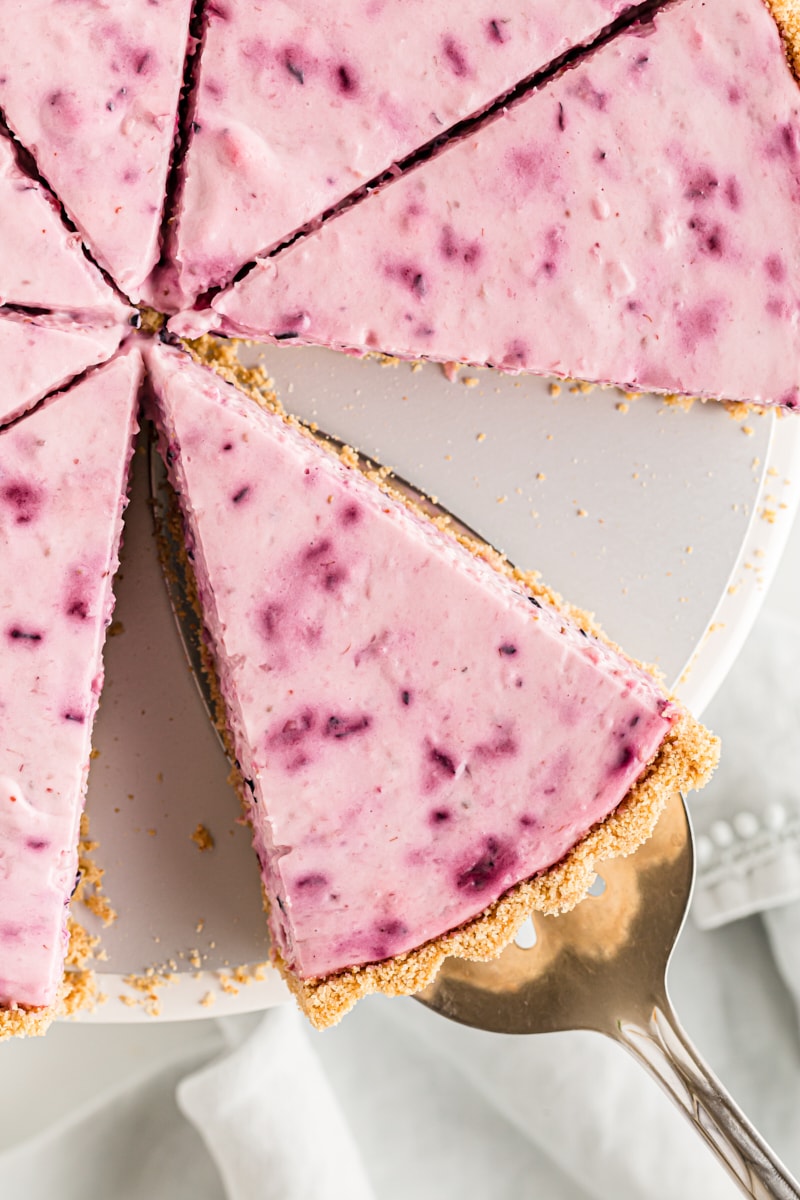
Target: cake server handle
x,y
657,1041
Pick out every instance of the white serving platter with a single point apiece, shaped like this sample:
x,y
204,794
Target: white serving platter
x,y
667,524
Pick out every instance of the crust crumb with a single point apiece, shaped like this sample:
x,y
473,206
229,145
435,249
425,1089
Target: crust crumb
x,y
202,838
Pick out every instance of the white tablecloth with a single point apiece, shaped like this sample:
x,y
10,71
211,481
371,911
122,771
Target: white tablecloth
x,y
397,1103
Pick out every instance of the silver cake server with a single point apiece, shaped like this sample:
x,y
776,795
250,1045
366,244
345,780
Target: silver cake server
x,y
600,967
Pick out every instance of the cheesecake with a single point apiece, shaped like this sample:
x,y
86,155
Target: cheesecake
x,y
63,487
40,355
42,263
91,89
297,105
430,744
633,221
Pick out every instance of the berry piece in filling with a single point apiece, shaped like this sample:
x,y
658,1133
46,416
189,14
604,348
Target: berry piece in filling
x,y
63,477
632,222
418,736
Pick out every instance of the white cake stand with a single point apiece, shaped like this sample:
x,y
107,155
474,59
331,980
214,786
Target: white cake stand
x,y
668,524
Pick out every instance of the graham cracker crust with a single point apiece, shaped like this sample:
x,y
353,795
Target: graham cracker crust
x,y
787,18
78,991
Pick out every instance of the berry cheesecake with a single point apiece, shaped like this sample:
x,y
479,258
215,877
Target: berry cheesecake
x,y
431,746
63,480
632,222
42,263
296,105
91,90
38,355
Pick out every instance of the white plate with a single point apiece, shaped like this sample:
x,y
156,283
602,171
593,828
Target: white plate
x,y
647,517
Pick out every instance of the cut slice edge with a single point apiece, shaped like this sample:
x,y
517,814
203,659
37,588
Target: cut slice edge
x,y
46,975
684,760
40,355
44,266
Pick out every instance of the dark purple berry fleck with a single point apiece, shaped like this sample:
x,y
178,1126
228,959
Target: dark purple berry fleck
x,y
78,608
312,882
240,495
443,760
392,928
351,514
455,57
507,648
294,70
346,80
342,727
24,498
459,249
495,860
296,728
702,186
23,635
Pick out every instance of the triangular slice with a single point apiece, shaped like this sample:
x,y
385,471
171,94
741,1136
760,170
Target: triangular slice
x,y
420,731
63,476
92,92
42,264
39,355
634,222
380,80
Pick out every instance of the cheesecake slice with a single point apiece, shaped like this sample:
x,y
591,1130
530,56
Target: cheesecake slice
x,y
63,479
298,104
38,355
634,221
42,264
431,745
91,90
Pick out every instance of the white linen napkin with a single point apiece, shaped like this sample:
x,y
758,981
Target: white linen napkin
x,y
747,820
270,1122
397,1103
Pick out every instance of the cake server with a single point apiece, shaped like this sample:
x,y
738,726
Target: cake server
x,y
601,966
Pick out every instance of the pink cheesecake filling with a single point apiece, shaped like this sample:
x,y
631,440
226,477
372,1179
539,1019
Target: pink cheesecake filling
x,y
379,80
38,355
42,264
91,89
63,476
633,222
419,732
